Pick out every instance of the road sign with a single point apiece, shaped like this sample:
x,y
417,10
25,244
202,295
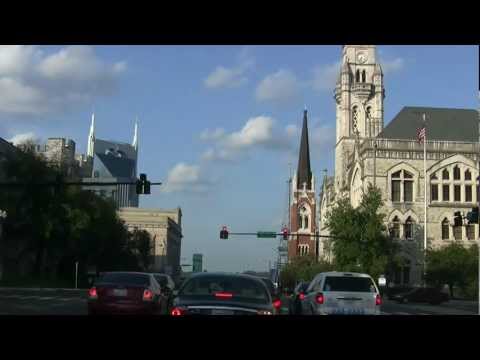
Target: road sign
x,y
266,234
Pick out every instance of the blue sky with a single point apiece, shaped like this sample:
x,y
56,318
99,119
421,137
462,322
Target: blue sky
x,y
219,125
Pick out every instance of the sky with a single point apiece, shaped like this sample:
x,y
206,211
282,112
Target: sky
x,y
219,126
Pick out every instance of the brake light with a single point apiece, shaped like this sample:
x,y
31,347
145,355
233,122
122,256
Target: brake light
x,y
147,295
319,298
301,296
277,304
92,293
223,295
378,300
177,312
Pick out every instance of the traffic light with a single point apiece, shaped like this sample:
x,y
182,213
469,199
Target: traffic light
x,y
143,185
224,233
472,216
457,220
285,233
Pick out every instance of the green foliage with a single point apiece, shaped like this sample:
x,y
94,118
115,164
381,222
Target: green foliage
x,y
48,229
302,268
142,245
456,266
360,242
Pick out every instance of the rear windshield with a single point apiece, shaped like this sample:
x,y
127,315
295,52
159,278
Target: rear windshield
x,y
240,288
269,285
125,279
350,284
162,280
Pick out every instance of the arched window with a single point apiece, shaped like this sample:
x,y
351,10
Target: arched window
x,y
402,180
303,218
456,173
468,175
300,221
305,222
445,175
357,76
396,228
445,229
355,119
409,228
363,76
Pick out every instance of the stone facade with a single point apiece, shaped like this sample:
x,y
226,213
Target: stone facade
x,y
396,167
165,227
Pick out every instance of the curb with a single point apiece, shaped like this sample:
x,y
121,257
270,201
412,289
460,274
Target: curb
x,y
41,289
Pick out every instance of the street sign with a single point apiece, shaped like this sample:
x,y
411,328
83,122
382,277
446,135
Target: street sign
x,y
266,234
382,281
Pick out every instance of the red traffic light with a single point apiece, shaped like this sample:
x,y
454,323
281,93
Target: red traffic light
x,y
285,233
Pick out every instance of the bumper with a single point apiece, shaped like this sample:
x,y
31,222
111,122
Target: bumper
x,y
95,308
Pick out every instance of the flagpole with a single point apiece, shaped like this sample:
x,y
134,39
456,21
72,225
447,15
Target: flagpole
x,y
425,201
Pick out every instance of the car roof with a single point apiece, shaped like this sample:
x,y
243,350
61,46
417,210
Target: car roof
x,y
343,273
226,274
126,272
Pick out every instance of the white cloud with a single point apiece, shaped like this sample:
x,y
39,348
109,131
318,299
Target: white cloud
x,y
258,132
216,134
390,66
229,77
33,82
22,138
281,86
186,178
292,130
325,76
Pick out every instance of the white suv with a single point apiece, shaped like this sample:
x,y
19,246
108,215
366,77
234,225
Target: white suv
x,y
342,293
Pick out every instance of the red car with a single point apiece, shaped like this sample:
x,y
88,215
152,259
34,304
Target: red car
x,y
126,293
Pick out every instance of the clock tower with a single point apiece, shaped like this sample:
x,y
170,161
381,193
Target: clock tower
x,y
359,95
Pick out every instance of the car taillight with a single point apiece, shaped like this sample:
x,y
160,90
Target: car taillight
x,y
92,293
177,312
378,300
147,295
223,295
277,304
301,296
319,298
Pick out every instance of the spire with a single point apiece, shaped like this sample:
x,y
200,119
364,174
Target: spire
x,y
135,135
378,70
304,172
91,137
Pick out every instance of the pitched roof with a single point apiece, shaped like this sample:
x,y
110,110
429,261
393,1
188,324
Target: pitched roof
x,y
5,146
103,146
442,124
304,172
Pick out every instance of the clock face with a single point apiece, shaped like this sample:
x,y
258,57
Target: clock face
x,y
362,58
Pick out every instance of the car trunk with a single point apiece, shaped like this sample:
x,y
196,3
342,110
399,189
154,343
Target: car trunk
x,y
344,302
121,294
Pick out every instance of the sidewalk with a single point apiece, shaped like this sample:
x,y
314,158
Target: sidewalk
x,y
41,289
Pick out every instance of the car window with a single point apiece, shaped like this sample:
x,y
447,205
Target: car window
x,y
238,287
125,279
350,284
304,287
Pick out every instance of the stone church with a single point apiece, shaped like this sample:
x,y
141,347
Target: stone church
x,y
391,157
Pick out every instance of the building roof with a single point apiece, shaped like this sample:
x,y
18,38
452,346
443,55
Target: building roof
x,y
442,124
5,146
304,172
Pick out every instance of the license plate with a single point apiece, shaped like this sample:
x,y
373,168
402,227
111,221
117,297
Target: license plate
x,y
349,311
222,312
120,292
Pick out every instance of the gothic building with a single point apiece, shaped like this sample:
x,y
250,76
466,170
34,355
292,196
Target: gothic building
x,y
303,204
368,152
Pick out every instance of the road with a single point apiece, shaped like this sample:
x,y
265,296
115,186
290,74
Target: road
x,y
43,302
74,302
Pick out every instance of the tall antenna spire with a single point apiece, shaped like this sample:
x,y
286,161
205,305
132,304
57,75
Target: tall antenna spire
x,y
135,135
91,137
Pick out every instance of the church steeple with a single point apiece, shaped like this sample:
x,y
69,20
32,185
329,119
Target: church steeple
x,y
304,172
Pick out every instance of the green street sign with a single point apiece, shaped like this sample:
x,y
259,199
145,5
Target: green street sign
x,y
266,234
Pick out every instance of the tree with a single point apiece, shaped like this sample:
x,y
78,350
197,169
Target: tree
x,y
142,245
454,265
302,268
359,237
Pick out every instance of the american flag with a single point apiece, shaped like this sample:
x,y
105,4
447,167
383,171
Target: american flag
x,y
421,134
